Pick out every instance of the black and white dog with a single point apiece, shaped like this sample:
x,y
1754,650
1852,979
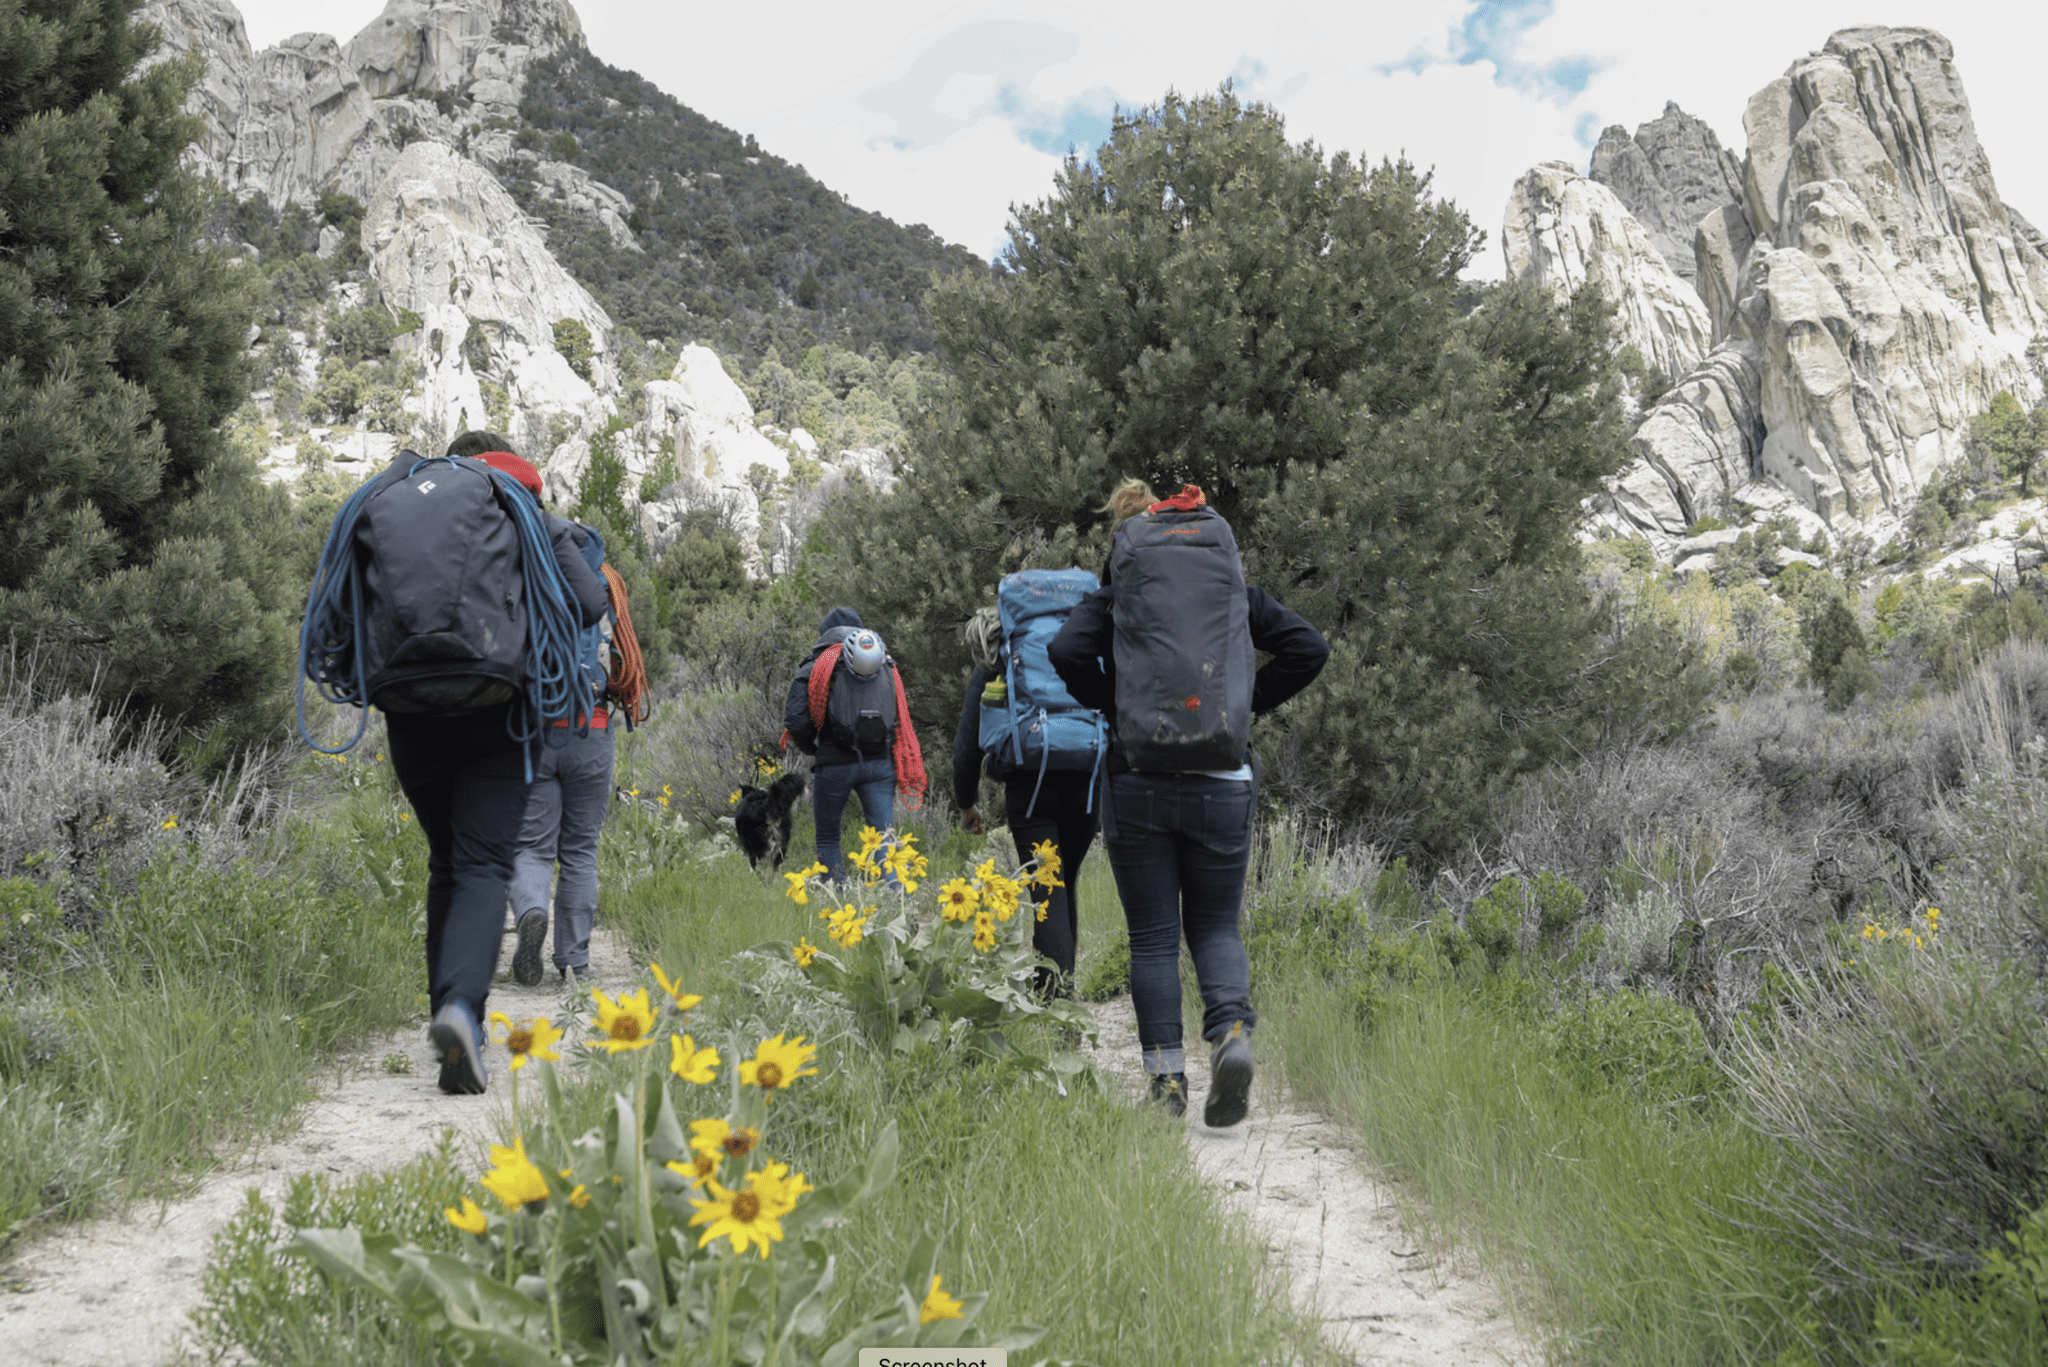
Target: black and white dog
x,y
762,821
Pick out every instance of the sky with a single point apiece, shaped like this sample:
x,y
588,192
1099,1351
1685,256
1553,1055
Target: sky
x,y
949,113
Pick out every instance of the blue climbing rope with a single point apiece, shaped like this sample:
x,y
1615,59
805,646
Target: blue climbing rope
x,y
331,646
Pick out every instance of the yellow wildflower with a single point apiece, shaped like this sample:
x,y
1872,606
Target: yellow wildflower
x,y
849,924
804,951
170,823
626,1024
699,1169
579,1197
470,1219
1047,874
1000,895
514,1180
958,899
715,1136
906,863
799,881
734,800
790,1186
778,1063
690,1063
985,870
683,1000
984,930
1042,909
535,1039
753,1216
937,1305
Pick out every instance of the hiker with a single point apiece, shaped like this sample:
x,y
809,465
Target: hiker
x,y
847,707
473,602
1165,648
1019,722
572,774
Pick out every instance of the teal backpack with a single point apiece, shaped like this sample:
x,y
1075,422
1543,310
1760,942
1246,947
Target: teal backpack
x,y
1038,725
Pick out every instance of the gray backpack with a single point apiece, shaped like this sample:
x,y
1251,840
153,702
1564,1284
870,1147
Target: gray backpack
x,y
444,617
1183,643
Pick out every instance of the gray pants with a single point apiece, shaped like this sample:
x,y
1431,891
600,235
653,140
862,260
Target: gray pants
x,y
572,785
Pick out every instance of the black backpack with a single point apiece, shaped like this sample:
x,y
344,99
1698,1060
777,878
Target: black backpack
x,y
860,714
444,612
1183,643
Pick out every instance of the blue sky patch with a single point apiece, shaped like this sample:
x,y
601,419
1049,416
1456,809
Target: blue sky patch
x,y
1082,124
1492,32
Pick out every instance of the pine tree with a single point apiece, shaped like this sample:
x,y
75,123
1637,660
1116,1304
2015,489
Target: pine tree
x,y
142,553
1208,302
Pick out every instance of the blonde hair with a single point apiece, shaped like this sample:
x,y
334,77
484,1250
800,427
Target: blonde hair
x,y
1129,499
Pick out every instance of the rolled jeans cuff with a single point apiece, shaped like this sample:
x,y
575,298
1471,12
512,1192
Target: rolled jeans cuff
x,y
1166,1061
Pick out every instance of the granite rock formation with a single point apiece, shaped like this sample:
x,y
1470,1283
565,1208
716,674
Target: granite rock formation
x,y
1565,231
1868,296
312,114
1670,175
446,242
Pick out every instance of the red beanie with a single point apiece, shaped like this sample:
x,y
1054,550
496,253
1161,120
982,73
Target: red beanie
x,y
518,469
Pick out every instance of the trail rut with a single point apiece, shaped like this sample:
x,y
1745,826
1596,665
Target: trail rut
x,y
1383,1296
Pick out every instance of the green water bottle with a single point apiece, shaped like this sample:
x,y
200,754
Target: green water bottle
x,y
996,694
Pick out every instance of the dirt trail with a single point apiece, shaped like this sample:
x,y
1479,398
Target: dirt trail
x,y
116,1293
1383,1296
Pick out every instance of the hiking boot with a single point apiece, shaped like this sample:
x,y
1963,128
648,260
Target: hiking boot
x,y
1230,1079
1170,1090
460,1044
533,931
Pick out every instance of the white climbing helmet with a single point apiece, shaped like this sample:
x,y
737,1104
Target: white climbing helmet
x,y
863,653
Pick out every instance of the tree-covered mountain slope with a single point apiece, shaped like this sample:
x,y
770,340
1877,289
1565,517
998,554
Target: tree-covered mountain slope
x,y
737,247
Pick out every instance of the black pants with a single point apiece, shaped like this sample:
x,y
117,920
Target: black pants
x,y
1060,815
466,780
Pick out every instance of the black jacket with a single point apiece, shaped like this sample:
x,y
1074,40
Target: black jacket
x,y
839,624
1084,653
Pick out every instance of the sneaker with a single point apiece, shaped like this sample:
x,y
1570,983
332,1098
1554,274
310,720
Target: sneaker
x,y
533,931
1230,1079
1170,1090
459,1042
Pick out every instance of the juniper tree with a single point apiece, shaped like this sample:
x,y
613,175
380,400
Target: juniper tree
x,y
1206,301
139,549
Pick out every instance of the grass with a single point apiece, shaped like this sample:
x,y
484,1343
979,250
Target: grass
x,y
1624,1227
1081,1213
180,1024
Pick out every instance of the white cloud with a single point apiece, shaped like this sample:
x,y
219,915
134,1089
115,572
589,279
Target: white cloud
x,y
947,113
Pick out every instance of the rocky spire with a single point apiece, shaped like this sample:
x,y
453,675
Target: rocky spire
x,y
1671,174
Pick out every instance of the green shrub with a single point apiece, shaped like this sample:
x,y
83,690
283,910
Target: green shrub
x,y
575,345
1641,1042
2000,1318
1107,974
1494,920
1709,523
280,1312
1908,1094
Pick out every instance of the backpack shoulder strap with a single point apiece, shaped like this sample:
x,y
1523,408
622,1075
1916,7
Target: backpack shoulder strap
x,y
821,683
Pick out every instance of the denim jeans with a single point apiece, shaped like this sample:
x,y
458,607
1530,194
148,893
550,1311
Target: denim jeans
x,y
1178,845
572,785
466,780
873,781
1062,815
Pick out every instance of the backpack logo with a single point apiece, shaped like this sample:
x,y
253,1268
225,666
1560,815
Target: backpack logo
x,y
426,486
